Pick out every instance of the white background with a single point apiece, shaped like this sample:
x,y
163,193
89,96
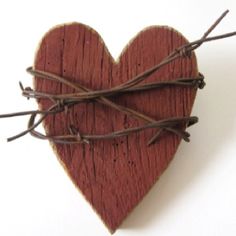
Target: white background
x,y
197,193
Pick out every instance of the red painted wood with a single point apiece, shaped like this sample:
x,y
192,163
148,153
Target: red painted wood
x,y
114,175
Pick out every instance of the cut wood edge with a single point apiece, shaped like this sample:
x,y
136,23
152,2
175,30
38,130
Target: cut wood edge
x,y
115,61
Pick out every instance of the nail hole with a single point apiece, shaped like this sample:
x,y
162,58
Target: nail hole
x,y
131,163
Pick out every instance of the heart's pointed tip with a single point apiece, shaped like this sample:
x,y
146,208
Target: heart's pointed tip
x,y
113,228
112,231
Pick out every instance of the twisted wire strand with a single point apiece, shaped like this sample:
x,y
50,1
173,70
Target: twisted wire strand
x,y
63,102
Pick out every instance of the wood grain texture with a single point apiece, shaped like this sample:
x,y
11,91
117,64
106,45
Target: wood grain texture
x,y
114,175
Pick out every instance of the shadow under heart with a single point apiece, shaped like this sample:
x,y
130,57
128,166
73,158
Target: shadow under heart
x,y
215,107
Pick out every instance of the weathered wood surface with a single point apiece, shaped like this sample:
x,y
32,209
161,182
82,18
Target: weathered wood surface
x,y
114,175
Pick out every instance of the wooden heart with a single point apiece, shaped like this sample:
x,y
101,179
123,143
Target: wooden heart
x,y
114,175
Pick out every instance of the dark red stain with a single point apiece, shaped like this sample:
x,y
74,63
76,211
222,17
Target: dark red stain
x,y
114,175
